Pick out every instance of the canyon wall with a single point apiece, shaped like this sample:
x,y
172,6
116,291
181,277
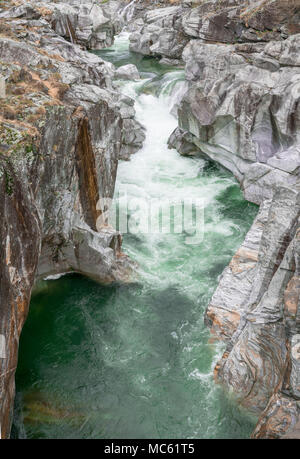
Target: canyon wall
x,y
242,110
63,127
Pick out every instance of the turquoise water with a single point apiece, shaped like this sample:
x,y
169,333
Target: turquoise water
x,y
135,361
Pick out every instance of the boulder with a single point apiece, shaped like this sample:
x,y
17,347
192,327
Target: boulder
x,y
160,33
127,72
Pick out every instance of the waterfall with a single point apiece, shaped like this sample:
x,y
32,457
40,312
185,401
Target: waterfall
x,y
173,88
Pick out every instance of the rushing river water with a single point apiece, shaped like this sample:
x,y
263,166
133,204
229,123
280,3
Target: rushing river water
x,y
135,361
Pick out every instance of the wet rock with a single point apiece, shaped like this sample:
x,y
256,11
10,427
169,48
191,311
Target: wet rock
x,y
133,138
258,317
171,62
279,419
133,133
230,300
183,142
127,72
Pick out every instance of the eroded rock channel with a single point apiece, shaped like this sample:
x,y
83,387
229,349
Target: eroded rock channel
x,y
219,82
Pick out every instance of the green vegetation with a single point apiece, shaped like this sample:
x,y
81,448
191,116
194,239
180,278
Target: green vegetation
x,y
8,183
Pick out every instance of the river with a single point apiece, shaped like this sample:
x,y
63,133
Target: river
x,y
136,361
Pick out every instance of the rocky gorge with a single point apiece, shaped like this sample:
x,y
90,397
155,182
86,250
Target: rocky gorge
x,y
63,128
242,111
64,125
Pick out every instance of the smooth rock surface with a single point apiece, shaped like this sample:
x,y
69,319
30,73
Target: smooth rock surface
x,y
63,127
127,72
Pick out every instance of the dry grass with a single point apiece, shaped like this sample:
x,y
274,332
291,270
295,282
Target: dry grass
x,y
27,97
56,57
44,11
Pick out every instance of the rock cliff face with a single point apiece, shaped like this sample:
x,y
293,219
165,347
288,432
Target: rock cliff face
x,y
160,33
242,110
63,127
